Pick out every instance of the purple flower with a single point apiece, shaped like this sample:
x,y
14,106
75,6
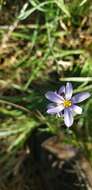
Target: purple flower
x,y
64,104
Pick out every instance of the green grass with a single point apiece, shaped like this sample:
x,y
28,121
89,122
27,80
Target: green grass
x,y
42,39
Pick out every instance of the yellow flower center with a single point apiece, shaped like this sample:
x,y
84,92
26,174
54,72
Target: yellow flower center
x,y
67,103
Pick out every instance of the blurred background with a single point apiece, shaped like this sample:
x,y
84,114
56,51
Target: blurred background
x,y
44,44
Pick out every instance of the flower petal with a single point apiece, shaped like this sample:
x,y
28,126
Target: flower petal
x,y
80,97
77,109
61,90
68,91
55,109
54,97
52,105
68,117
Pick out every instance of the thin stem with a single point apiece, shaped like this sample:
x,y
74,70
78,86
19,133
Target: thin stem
x,y
77,79
15,105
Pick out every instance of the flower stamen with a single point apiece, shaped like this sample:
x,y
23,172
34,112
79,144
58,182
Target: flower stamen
x,y
67,103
